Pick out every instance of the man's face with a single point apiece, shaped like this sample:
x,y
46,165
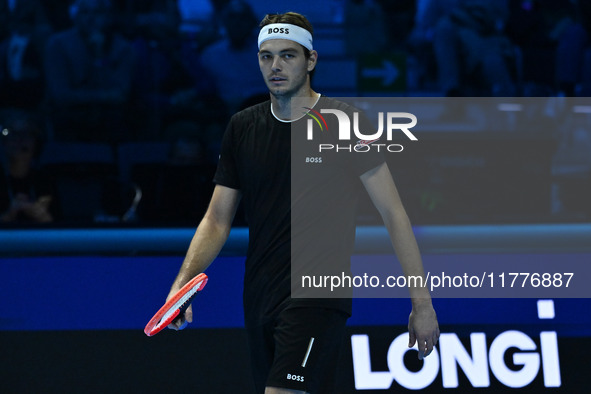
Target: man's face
x,y
285,67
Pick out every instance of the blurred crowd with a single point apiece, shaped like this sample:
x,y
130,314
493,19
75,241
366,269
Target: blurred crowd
x,y
151,84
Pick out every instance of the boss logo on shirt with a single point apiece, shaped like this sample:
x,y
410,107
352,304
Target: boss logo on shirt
x,y
297,378
313,159
282,30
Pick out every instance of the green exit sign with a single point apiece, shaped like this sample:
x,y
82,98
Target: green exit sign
x,y
382,72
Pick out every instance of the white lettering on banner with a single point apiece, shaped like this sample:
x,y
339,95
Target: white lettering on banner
x,y
529,361
550,360
452,354
366,379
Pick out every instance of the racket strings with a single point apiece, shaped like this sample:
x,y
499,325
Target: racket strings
x,y
181,304
188,300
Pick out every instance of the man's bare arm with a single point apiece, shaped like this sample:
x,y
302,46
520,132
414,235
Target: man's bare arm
x,y
209,238
211,234
383,193
423,326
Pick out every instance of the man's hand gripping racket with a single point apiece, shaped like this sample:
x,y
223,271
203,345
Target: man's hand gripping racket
x,y
176,312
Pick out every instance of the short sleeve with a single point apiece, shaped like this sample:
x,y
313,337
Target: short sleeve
x,y
366,159
227,170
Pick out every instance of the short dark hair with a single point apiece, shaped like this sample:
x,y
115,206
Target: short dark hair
x,y
293,18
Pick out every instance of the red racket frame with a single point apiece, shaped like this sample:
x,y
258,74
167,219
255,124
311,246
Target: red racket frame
x,y
156,324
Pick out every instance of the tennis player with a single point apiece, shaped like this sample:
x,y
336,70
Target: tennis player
x,y
294,343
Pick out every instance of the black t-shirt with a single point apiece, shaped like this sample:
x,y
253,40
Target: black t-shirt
x,y
256,158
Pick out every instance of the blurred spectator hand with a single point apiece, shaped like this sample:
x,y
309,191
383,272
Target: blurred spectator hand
x,y
36,211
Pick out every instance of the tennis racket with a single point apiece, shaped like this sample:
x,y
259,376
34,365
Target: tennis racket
x,y
176,305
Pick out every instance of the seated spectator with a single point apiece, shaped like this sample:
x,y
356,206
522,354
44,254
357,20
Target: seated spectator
x,y
142,18
22,83
420,41
198,27
536,26
89,72
468,41
26,194
170,84
398,19
365,31
428,13
237,50
574,45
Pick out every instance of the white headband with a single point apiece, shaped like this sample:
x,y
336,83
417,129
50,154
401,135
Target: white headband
x,y
286,31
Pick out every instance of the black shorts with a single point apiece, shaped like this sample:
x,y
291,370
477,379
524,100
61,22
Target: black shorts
x,y
298,350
